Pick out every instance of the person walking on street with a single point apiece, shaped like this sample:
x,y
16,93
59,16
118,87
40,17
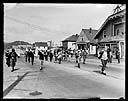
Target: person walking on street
x,y
80,52
79,58
13,59
76,56
55,56
46,55
51,56
28,55
59,57
109,55
66,55
118,55
69,56
7,58
32,56
84,56
104,60
41,58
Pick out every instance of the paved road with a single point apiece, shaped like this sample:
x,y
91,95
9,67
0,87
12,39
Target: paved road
x,y
61,81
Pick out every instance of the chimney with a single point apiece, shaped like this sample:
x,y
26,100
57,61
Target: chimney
x,y
90,30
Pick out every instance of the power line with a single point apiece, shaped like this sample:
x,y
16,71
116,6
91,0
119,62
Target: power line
x,y
33,26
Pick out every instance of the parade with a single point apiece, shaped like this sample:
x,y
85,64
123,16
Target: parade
x,y
64,51
59,55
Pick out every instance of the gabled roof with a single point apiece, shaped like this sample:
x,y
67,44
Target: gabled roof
x,y
43,44
88,35
72,38
113,16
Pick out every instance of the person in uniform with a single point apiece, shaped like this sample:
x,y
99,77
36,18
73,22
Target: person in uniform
x,y
13,58
104,60
41,58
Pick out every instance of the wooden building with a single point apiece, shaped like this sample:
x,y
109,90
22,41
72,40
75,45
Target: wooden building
x,y
85,40
70,42
112,33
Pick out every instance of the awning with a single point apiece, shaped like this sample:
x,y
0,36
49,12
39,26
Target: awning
x,y
83,42
113,38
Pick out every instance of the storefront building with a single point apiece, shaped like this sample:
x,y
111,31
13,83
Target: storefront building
x,y
112,33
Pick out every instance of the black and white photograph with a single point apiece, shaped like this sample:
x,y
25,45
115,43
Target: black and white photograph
x,y
64,51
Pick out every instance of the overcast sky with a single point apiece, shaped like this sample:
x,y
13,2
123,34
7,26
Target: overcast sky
x,y
44,22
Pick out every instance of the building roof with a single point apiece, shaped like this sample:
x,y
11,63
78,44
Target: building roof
x,y
72,38
113,16
39,44
88,35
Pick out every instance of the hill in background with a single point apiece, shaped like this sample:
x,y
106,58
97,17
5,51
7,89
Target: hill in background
x,y
10,44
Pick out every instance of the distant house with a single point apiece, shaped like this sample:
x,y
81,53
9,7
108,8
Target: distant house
x,y
70,42
86,40
41,45
112,33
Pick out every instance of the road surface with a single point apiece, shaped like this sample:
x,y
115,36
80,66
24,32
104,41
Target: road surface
x,y
63,80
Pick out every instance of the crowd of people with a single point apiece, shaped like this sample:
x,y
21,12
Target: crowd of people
x,y
59,55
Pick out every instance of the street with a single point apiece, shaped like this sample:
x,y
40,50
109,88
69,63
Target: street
x,y
64,80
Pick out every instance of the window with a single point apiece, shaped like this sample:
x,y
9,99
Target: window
x,y
104,34
91,47
122,33
82,38
117,33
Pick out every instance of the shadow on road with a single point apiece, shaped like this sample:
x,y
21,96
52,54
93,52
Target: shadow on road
x,y
16,69
7,90
98,71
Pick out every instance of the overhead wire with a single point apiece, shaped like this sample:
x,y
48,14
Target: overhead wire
x,y
33,26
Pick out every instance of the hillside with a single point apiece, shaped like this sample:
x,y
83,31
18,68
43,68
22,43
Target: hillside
x,y
10,44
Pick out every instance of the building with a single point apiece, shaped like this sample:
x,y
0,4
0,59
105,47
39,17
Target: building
x,y
41,45
85,40
112,33
70,42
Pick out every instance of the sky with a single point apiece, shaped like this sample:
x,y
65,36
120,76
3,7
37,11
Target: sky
x,y
45,22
